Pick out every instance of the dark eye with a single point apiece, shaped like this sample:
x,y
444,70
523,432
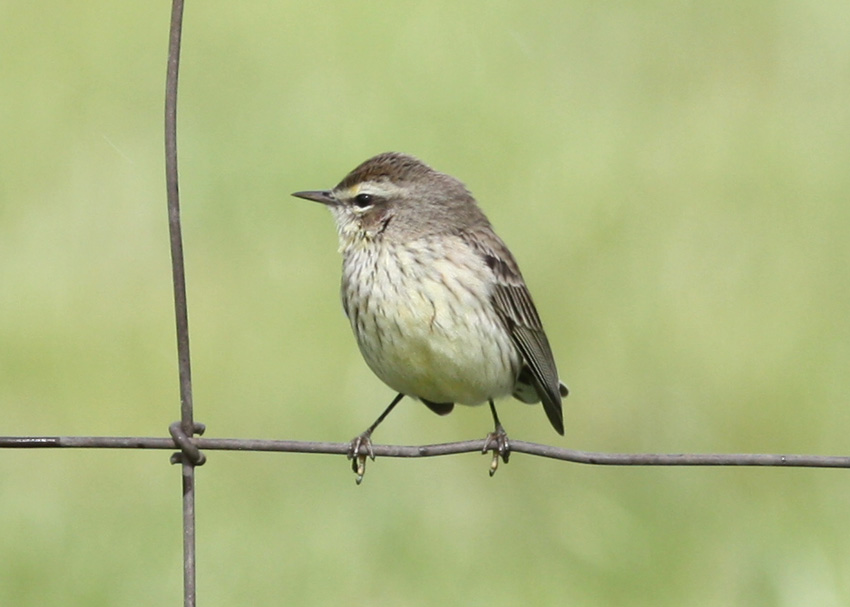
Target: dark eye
x,y
363,200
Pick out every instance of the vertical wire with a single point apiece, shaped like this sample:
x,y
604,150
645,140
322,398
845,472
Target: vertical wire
x,y
177,265
180,308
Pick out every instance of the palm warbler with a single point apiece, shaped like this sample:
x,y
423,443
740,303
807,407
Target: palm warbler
x,y
435,298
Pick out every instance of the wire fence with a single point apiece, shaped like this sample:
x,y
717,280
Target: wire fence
x,y
190,448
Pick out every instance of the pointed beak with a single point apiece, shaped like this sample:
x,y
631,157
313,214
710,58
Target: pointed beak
x,y
323,196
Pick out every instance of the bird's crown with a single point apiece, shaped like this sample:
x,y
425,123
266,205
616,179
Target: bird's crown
x,y
393,167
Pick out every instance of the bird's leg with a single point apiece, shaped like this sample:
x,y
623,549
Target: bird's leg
x,y
361,445
497,442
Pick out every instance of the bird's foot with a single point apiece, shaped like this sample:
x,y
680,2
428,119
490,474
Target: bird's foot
x,y
358,451
497,442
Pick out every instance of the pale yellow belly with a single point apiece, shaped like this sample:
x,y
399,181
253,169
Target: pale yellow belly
x,y
431,335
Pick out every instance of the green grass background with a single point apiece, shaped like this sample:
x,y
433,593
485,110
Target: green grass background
x,y
674,179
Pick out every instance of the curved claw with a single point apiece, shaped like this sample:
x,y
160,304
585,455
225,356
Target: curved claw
x,y
497,442
358,451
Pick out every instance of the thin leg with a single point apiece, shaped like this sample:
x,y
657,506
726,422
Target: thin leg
x,y
361,445
497,442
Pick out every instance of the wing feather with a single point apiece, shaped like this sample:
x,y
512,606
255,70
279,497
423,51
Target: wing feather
x,y
515,307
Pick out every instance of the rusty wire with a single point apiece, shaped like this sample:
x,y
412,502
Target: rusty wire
x,y
182,431
409,451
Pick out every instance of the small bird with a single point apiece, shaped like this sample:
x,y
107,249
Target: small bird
x,y
436,300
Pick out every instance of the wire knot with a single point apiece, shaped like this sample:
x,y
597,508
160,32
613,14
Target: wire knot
x,y
189,452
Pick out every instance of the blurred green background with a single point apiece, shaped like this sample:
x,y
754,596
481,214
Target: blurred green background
x,y
673,178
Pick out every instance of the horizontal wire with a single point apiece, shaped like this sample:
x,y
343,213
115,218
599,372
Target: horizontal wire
x,y
469,446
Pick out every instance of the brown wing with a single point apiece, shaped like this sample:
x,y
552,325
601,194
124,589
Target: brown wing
x,y
514,305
